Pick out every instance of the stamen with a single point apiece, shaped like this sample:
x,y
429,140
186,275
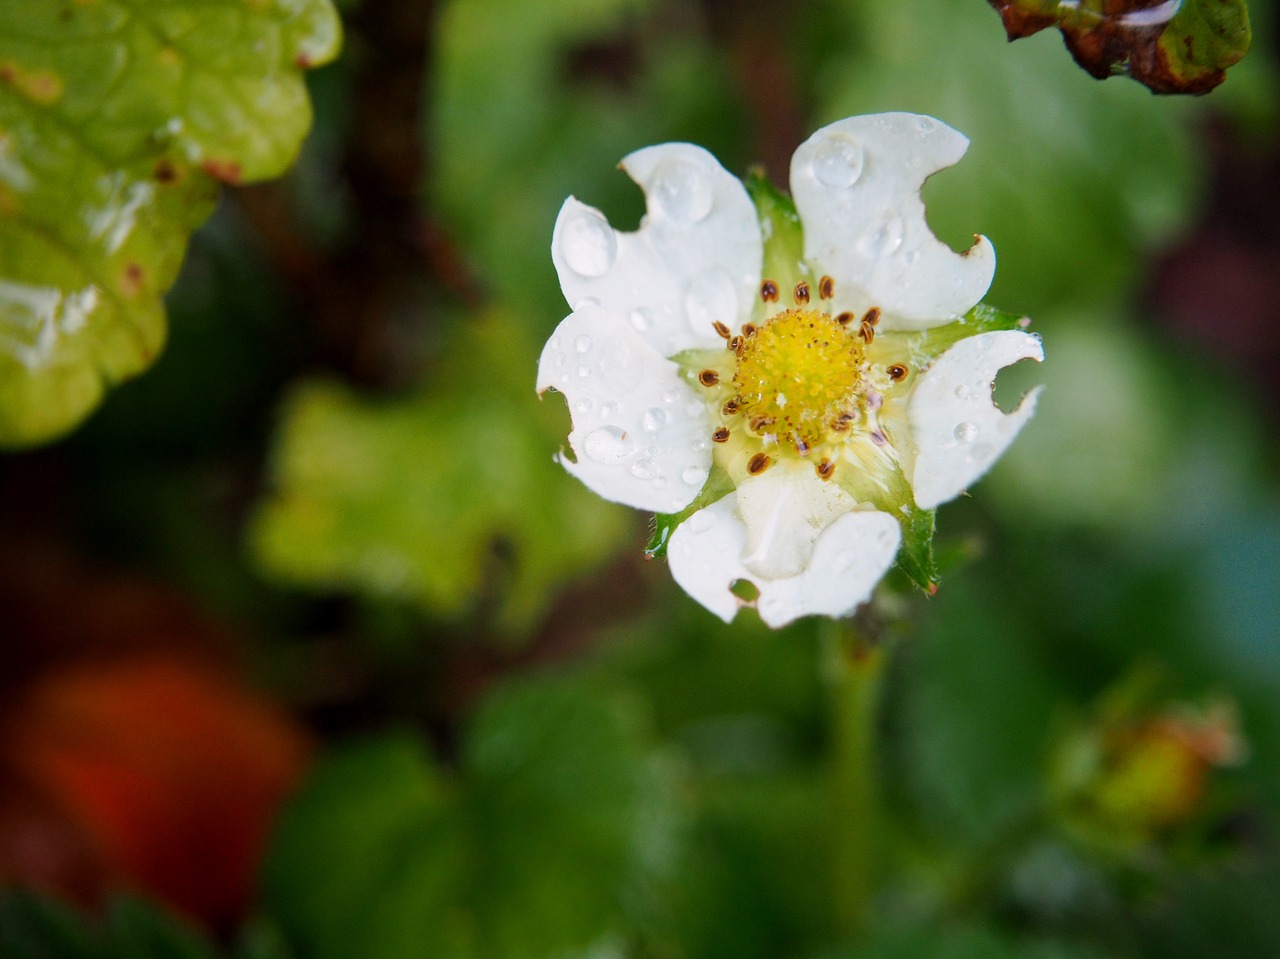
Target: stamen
x,y
897,372
759,463
802,293
825,468
735,344
867,331
748,329
826,288
721,434
721,330
844,319
708,377
872,316
730,408
801,446
769,291
759,423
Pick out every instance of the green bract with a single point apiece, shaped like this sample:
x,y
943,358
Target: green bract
x,y
117,119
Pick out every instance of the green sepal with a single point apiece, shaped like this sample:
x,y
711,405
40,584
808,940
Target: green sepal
x,y
783,235
718,485
915,555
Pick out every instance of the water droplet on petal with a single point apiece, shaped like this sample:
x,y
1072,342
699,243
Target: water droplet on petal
x,y
884,239
701,521
586,303
660,483
965,433
609,410
583,406
608,445
682,191
642,319
926,125
695,476
582,344
654,419
584,371
962,392
588,244
553,343
711,297
837,162
670,396
643,469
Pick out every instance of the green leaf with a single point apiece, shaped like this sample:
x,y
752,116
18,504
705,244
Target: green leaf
x,y
117,120
34,927
449,497
717,486
1187,51
532,848
783,234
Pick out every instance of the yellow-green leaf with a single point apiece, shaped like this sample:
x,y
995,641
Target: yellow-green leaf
x,y
117,120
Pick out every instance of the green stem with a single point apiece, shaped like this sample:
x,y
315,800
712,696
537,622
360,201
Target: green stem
x,y
856,669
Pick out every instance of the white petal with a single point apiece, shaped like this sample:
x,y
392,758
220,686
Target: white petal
x,y
857,185
785,509
956,430
849,558
695,259
640,433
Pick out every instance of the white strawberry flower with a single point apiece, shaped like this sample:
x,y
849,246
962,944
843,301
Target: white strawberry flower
x,y
792,388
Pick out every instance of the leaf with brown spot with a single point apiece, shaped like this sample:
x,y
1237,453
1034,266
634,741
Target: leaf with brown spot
x,y
118,121
1171,46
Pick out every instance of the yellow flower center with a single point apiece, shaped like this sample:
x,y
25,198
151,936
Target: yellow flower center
x,y
797,375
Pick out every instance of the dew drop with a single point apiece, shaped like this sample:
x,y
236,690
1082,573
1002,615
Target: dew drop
x,y
694,476
711,297
837,162
884,239
643,469
642,319
588,244
682,191
670,396
586,303
965,433
698,445
962,392
582,344
702,521
654,419
926,125
553,343
583,406
584,371
660,483
609,410
608,445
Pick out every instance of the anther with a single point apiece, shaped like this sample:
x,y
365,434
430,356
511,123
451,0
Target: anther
x,y
759,463
801,446
721,434
708,377
841,423
872,316
802,293
736,344
826,288
867,331
729,408
721,330
759,423
824,468
748,329
844,319
769,291
897,372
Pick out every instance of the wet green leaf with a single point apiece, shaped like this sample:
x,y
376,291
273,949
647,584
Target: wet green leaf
x,y
1180,47
533,848
116,122
449,498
